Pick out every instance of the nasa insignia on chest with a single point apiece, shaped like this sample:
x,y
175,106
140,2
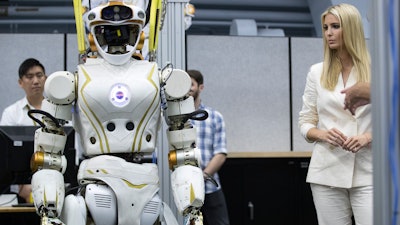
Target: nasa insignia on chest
x,y
120,95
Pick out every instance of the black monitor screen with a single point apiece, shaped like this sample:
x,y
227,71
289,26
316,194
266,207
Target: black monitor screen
x,y
16,149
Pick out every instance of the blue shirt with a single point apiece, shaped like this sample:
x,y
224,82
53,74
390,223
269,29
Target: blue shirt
x,y
211,140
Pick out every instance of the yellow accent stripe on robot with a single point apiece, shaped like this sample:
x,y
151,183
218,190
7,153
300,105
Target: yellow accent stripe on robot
x,y
104,171
94,115
149,77
80,28
44,197
137,186
192,195
152,103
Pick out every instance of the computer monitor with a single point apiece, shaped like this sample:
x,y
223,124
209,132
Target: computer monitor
x,y
16,149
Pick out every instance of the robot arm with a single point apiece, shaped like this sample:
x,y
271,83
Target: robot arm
x,y
50,139
48,162
184,158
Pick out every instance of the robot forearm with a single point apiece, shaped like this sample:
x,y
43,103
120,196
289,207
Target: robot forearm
x,y
187,177
48,193
48,163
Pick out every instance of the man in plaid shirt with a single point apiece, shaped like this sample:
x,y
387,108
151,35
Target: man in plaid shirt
x,y
211,141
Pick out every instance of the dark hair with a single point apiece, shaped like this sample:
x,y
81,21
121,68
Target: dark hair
x,y
196,75
27,65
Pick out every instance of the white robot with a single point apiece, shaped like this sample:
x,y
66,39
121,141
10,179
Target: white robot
x,y
118,101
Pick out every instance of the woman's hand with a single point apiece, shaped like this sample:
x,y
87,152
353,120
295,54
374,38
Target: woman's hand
x,y
354,144
334,137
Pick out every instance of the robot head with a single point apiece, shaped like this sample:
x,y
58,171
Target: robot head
x,y
116,29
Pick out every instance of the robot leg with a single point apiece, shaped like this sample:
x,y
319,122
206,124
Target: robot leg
x,y
102,204
99,200
74,210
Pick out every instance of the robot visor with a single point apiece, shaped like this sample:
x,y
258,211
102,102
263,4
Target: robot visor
x,y
116,39
116,13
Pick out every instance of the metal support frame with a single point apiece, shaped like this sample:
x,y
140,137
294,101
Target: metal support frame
x,y
172,39
171,48
381,88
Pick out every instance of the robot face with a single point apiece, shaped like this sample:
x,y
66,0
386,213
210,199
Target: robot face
x,y
116,28
117,39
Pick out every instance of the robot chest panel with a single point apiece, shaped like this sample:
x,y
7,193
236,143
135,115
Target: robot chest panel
x,y
125,92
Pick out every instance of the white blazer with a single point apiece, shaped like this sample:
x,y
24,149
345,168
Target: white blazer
x,y
323,109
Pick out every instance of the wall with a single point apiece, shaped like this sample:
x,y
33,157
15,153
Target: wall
x,y
15,48
55,51
304,53
247,80
257,84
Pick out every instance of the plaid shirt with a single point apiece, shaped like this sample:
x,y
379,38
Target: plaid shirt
x,y
211,140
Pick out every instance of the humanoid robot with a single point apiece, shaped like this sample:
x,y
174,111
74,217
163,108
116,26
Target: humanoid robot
x,y
117,100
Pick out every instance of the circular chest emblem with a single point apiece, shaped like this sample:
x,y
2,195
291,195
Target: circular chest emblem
x,y
120,95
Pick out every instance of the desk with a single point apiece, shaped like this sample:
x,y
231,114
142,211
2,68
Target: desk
x,y
10,209
286,154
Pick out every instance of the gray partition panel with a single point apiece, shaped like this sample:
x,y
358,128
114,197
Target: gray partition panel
x,y
247,80
72,52
15,48
304,53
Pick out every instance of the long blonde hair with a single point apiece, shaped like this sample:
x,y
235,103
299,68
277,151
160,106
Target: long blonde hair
x,y
353,41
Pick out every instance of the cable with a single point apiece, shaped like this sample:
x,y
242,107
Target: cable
x,y
32,111
394,113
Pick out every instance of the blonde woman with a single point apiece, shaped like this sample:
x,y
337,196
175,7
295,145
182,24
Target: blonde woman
x,y
340,171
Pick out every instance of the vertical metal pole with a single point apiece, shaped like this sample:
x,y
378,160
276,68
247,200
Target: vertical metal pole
x,y
171,49
381,87
172,39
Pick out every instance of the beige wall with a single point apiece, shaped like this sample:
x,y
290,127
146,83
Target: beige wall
x,y
257,84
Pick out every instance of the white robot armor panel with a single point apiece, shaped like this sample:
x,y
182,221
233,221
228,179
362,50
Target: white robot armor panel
x,y
134,184
118,107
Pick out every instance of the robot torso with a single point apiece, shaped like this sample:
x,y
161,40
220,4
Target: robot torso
x,y
118,107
